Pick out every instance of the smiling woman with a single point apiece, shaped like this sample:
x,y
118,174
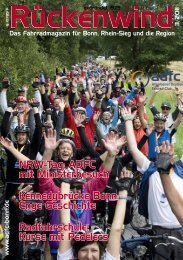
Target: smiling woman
x,y
66,150
21,138
94,244
22,134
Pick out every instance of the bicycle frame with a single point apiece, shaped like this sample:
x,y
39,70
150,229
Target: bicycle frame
x,y
134,245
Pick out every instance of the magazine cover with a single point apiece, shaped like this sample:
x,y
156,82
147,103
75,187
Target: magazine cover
x,y
91,108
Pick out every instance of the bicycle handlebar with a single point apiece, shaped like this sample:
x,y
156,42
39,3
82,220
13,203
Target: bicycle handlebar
x,y
176,239
147,238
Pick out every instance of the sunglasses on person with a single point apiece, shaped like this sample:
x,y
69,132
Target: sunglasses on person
x,y
165,108
77,186
81,112
92,229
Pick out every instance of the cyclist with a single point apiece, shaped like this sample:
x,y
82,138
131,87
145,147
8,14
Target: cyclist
x,y
157,208
164,161
66,150
89,249
27,148
165,110
65,153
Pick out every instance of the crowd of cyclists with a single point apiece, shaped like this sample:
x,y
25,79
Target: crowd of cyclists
x,y
93,112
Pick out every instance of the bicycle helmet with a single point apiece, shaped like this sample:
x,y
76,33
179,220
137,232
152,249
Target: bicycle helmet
x,y
21,89
92,229
77,182
22,129
80,109
21,99
67,133
160,116
107,113
166,104
114,129
78,244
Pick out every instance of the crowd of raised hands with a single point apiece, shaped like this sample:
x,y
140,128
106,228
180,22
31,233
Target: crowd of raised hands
x,y
91,112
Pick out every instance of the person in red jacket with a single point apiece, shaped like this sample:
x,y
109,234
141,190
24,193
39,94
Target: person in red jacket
x,y
139,133
89,126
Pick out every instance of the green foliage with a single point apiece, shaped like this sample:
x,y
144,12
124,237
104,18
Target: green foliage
x,y
23,57
145,52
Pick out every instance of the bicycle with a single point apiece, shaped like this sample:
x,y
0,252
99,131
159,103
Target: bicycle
x,y
137,220
34,250
102,221
102,218
142,247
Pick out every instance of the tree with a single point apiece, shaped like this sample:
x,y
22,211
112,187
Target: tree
x,y
148,53
23,57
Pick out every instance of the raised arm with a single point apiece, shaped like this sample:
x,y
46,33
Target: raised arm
x,y
60,117
113,246
173,196
165,158
50,144
154,93
180,115
65,243
75,90
3,100
151,102
89,87
141,111
37,96
99,134
112,144
87,146
132,145
44,98
115,116
47,184
5,124
8,144
36,138
109,91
